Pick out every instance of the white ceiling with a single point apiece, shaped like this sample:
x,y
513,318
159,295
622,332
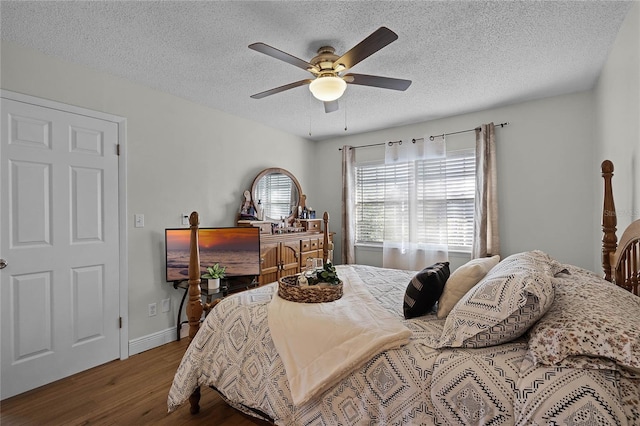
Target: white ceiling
x,y
461,56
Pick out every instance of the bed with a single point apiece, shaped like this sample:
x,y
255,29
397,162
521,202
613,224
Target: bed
x,y
529,340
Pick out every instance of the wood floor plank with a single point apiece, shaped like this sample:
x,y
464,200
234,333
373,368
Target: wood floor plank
x,y
129,392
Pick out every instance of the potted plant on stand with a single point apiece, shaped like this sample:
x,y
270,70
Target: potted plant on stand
x,y
213,275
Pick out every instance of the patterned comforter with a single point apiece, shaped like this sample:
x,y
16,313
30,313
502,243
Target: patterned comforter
x,y
415,384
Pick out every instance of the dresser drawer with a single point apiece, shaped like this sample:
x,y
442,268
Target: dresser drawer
x,y
311,225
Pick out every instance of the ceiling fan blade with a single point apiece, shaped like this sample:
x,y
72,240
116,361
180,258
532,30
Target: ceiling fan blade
x,y
281,89
279,54
377,81
367,47
331,106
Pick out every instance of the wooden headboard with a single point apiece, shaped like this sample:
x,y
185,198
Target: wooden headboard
x,y
620,261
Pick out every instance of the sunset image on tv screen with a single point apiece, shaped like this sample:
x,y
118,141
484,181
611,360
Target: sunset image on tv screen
x,y
237,249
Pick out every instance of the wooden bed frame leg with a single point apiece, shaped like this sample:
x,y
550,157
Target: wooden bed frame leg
x,y
609,221
194,400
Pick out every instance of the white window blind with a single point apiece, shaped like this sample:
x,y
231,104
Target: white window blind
x,y
442,187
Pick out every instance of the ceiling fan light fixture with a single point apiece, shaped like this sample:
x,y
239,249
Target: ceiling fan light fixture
x,y
327,88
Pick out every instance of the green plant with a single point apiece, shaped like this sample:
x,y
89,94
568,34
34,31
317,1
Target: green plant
x,y
215,271
327,275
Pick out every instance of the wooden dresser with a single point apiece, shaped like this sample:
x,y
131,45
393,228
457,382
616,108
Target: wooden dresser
x,y
290,233
286,254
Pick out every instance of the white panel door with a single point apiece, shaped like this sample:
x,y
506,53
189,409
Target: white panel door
x,y
59,293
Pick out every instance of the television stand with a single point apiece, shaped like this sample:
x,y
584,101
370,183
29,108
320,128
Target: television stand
x,y
236,284
228,285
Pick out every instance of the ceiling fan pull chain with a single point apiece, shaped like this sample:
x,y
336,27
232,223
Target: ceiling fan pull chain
x,y
345,114
309,111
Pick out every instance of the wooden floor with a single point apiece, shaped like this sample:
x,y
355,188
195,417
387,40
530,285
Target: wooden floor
x,y
129,392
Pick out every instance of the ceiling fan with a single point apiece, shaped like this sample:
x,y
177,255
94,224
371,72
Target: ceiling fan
x,y
328,69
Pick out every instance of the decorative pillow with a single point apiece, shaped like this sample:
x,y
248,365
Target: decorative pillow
x,y
462,280
504,304
425,289
592,318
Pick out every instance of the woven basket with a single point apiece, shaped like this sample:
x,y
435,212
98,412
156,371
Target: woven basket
x,y
289,289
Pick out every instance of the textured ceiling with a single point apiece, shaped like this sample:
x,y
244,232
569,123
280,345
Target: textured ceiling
x,y
461,56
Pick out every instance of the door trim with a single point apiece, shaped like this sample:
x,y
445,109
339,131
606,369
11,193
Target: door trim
x,y
122,196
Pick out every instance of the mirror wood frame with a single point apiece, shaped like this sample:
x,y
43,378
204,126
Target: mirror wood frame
x,y
276,170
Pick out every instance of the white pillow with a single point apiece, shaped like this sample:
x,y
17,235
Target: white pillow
x,y
462,280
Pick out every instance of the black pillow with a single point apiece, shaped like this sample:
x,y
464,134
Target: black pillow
x,y
425,289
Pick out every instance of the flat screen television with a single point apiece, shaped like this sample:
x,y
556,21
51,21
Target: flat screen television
x,y
236,248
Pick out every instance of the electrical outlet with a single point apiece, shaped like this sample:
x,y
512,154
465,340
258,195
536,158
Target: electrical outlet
x,y
185,218
166,305
153,309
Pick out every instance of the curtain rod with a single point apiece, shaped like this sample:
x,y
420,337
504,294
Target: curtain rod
x,y
390,143
506,123
375,144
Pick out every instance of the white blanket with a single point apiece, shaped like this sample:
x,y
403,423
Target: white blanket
x,y
319,343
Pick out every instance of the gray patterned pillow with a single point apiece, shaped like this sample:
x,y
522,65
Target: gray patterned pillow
x,y
425,289
504,304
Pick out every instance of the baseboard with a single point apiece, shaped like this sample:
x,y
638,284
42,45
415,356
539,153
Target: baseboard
x,y
151,341
184,330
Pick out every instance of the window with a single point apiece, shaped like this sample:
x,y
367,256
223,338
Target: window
x,y
455,199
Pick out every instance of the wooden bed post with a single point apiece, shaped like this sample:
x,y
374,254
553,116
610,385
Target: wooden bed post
x,y
609,220
325,245
194,307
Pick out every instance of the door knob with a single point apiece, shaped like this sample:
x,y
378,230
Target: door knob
x,y
3,263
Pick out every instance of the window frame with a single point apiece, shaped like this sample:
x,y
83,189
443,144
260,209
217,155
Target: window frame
x,y
468,156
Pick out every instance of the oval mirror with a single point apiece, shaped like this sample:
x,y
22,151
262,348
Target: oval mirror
x,y
277,193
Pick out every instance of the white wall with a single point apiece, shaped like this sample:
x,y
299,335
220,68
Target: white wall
x,y
618,122
545,156
181,157
184,157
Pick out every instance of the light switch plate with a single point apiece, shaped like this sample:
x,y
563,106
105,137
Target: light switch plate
x,y
139,221
185,218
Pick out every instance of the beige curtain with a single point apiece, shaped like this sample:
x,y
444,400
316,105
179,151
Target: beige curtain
x,y
486,240
348,205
